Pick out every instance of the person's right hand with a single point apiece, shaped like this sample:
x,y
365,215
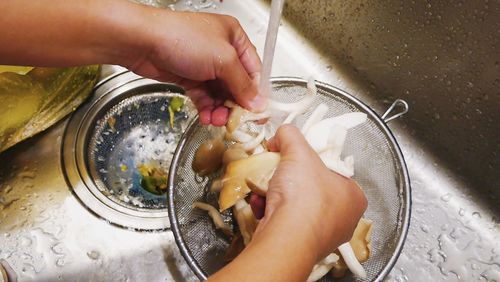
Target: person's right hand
x,y
309,212
306,201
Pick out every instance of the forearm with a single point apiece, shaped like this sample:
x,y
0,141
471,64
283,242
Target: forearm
x,y
283,251
65,33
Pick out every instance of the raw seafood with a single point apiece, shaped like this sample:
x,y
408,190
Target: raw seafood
x,y
248,167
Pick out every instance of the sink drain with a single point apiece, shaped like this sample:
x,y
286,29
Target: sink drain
x,y
110,141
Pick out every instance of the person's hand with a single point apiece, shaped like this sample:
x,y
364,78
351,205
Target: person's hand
x,y
305,195
309,212
208,54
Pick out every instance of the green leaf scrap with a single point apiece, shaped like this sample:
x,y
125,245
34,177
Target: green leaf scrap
x,y
176,104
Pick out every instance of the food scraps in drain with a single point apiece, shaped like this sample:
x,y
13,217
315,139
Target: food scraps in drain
x,y
176,104
154,180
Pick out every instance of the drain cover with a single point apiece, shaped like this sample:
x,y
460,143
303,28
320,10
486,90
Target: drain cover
x,y
124,130
136,132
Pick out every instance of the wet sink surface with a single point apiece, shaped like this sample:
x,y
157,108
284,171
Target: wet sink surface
x,y
439,58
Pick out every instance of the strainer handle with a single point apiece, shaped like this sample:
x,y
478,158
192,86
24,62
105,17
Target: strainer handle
x,y
402,106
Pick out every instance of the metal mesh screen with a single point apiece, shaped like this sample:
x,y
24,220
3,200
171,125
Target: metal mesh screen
x,y
134,131
379,170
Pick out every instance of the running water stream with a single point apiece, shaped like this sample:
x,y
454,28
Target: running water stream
x,y
271,36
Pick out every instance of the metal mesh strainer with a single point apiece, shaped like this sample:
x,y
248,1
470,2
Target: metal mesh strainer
x,y
134,131
379,169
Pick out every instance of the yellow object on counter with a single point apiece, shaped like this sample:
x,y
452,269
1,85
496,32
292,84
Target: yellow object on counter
x,y
32,99
16,69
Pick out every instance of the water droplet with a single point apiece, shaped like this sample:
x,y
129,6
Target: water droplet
x,y
26,256
491,275
424,228
27,267
476,214
58,248
27,174
461,212
446,197
8,189
26,241
329,68
94,255
60,262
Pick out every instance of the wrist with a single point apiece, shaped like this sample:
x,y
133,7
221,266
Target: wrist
x,y
128,32
285,227
279,252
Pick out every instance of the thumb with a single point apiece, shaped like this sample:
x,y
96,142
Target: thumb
x,y
244,90
290,142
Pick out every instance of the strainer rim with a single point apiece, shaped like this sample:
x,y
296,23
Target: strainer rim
x,y
405,209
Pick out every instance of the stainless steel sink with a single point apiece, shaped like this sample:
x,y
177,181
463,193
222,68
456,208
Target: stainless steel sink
x,y
441,58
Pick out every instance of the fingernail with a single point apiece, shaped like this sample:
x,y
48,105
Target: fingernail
x,y
258,103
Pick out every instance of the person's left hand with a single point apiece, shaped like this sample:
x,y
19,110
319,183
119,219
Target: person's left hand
x,y
209,55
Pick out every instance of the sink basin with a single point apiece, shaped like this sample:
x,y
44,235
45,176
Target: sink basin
x,y
441,58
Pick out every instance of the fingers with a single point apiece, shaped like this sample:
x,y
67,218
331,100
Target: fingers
x,y
210,110
249,58
291,143
219,116
203,103
362,201
200,97
231,71
205,116
252,64
216,116
246,52
232,62
258,205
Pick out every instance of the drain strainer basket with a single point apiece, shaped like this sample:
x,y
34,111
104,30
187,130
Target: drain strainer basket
x,y
108,140
379,169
